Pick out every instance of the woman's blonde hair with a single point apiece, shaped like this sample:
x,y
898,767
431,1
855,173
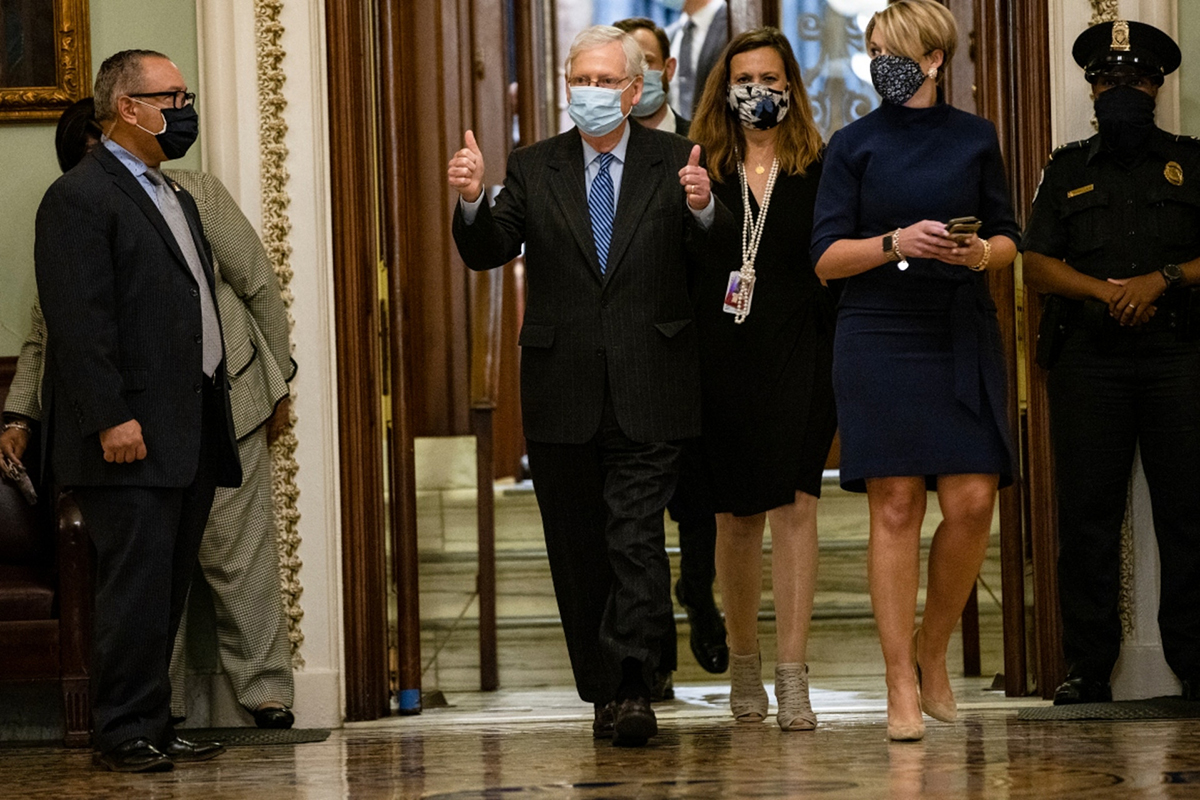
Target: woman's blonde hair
x,y
915,28
719,131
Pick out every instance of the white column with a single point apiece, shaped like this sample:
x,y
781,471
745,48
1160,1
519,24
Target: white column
x,y
1141,670
230,116
319,689
228,100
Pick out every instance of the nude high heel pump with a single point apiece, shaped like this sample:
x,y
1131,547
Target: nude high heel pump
x,y
939,710
914,731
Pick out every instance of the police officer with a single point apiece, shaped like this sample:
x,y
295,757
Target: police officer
x,y
1113,241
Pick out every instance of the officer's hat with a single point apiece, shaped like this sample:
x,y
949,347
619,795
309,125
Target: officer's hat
x,y
1128,47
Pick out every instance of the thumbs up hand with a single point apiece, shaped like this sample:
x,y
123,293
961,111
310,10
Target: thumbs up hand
x,y
465,173
694,179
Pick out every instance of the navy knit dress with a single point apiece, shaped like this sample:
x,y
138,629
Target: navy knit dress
x,y
918,371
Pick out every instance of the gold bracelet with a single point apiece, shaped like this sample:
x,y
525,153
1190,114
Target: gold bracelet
x,y
987,256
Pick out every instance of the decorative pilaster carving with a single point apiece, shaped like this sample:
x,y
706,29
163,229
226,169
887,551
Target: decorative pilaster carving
x,y
276,227
1104,11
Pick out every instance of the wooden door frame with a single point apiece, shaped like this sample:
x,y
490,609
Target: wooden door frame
x,y
355,235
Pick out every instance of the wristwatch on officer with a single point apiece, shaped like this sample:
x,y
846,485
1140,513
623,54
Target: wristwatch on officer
x,y
1172,274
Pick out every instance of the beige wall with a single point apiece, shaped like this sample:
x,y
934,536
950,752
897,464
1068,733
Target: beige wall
x,y
27,159
1189,72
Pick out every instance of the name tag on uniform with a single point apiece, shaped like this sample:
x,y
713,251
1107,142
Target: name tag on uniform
x,y
1081,190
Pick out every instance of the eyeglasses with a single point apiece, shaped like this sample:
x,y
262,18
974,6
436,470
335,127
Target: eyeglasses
x,y
179,99
579,81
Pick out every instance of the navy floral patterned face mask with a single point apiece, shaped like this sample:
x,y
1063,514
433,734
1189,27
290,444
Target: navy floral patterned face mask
x,y
896,78
758,106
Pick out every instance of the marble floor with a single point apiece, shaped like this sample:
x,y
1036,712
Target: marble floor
x,y
537,744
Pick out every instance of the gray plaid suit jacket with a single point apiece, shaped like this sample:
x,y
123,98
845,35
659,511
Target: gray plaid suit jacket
x,y
253,319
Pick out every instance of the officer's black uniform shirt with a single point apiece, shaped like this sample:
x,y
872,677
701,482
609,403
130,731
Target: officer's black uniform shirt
x,y
1109,218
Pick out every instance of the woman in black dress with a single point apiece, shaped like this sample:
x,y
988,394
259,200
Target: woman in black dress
x,y
918,372
766,326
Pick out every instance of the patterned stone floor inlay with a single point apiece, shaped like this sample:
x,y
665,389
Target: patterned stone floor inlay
x,y
537,744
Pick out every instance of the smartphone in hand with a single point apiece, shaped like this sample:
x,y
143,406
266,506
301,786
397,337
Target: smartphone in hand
x,y
960,229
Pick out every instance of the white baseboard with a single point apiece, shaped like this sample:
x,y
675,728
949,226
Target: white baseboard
x,y
319,699
212,703
1142,672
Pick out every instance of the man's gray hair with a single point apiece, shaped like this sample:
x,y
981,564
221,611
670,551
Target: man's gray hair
x,y
120,74
600,35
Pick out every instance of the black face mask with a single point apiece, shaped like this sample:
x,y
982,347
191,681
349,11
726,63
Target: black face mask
x,y
896,78
181,126
1126,118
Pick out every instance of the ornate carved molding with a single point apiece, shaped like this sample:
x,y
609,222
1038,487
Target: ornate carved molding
x,y
276,227
1104,11
74,70
1127,599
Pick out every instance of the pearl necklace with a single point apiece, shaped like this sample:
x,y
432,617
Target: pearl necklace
x,y
751,234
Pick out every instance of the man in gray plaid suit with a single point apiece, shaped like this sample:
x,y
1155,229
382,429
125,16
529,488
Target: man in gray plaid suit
x,y
238,553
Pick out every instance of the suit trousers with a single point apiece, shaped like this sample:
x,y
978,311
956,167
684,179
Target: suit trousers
x,y
602,505
1138,389
239,562
691,508
146,540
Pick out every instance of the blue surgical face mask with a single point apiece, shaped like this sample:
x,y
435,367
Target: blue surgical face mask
x,y
597,111
653,94
673,5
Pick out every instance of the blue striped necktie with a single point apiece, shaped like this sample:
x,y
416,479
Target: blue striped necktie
x,y
602,209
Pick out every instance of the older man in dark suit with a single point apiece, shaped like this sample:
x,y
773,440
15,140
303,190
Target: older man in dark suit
x,y
612,216
135,400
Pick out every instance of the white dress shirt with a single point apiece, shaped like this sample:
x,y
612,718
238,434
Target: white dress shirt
x,y
703,19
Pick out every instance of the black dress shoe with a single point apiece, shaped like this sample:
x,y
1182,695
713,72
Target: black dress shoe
x,y
602,723
135,755
663,688
635,723
183,750
1078,689
273,717
708,633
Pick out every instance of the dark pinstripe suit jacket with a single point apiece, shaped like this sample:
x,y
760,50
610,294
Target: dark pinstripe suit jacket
x,y
123,319
631,326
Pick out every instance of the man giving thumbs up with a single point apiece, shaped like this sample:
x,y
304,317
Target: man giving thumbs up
x,y
613,217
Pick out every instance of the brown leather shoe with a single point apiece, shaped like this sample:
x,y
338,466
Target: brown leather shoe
x,y
134,755
602,723
182,750
635,723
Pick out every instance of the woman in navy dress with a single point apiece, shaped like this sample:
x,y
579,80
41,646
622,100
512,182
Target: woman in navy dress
x,y
918,370
765,365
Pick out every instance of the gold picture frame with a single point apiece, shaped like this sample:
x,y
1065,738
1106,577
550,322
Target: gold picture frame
x,y
45,58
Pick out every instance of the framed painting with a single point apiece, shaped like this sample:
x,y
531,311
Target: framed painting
x,y
45,57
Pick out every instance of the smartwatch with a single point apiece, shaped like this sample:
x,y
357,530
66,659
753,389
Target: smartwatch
x,y
889,249
1172,274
